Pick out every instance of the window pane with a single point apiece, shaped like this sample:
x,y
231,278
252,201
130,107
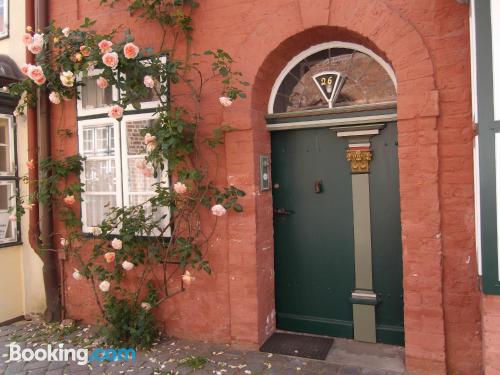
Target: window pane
x,y
366,81
138,182
96,207
100,175
98,141
3,18
93,96
135,141
5,147
8,228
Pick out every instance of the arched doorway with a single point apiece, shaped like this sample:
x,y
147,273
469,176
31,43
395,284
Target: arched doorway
x,y
338,252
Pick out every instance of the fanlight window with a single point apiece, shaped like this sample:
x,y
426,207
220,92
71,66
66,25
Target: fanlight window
x,y
360,80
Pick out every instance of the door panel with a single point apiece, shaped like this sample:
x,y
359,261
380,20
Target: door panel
x,y
386,236
314,258
314,245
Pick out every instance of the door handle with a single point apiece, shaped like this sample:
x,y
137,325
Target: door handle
x,y
282,212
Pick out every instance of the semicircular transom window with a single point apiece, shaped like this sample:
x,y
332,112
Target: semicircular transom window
x,y
361,80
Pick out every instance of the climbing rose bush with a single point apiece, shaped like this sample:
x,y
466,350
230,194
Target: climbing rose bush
x,y
123,257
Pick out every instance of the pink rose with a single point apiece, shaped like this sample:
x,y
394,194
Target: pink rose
x,y
30,164
151,146
104,286
127,266
110,59
105,46
69,200
13,218
36,44
225,101
27,206
130,50
35,72
187,278
77,275
85,51
116,244
34,49
141,164
180,188
54,97
38,39
146,306
67,78
149,82
147,172
25,68
115,111
102,82
148,138
110,256
218,210
40,81
27,39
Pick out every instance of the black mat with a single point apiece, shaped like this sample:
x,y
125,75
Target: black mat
x,y
298,345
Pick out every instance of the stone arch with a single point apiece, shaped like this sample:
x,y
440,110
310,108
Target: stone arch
x,y
370,23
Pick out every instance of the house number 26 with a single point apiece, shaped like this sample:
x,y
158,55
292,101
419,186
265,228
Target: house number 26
x,y
326,81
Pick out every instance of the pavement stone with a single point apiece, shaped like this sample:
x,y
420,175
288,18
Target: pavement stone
x,y
164,358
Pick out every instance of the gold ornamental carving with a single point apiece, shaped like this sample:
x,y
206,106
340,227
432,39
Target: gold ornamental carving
x,y
360,160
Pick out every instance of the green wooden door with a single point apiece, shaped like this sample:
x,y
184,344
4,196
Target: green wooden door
x,y
314,258
387,252
313,229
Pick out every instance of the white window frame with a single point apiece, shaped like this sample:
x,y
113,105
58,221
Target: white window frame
x,y
96,123
10,211
100,118
10,178
93,111
11,145
5,32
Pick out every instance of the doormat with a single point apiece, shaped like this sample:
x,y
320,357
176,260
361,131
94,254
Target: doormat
x,y
298,345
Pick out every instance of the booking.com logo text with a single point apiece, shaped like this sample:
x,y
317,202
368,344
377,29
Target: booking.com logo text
x,y
60,354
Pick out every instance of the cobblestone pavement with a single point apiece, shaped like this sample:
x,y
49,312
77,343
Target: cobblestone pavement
x,y
168,357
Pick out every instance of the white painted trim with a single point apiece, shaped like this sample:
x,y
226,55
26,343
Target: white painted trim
x,y
477,204
330,122
495,52
11,142
473,57
357,133
497,181
320,47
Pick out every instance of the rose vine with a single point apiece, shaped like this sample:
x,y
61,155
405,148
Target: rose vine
x,y
133,258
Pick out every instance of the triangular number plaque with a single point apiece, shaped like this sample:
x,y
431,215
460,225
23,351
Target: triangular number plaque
x,y
329,83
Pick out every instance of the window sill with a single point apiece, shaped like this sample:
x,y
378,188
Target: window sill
x,y
11,244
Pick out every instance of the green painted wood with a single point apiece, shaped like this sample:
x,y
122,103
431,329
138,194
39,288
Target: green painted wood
x,y
314,244
386,236
488,127
314,259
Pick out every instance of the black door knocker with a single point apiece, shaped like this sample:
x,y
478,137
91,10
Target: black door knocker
x,y
318,186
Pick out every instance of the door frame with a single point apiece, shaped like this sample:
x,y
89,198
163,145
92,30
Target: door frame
x,y
336,117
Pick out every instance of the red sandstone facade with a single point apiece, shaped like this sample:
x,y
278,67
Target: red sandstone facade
x,y
450,328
